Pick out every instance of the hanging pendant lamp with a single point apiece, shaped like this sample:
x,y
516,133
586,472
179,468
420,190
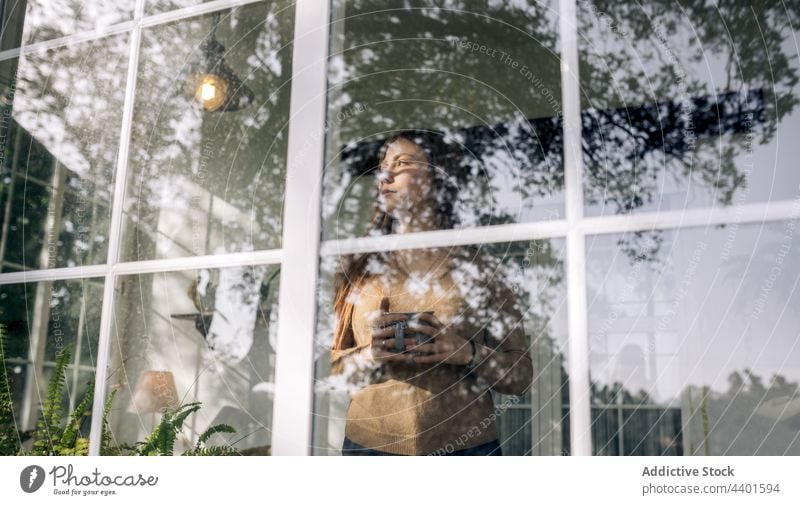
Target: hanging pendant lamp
x,y
212,84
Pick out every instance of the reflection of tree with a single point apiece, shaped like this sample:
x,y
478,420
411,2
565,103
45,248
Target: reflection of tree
x,y
202,181
60,146
752,417
617,138
633,54
639,122
50,19
393,54
748,418
619,145
632,51
406,65
612,393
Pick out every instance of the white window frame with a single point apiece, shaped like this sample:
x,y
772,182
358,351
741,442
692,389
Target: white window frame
x,y
301,247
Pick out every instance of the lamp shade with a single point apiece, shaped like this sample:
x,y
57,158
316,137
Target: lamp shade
x,y
155,390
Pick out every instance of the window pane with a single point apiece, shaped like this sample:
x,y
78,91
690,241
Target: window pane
x,y
41,320
483,79
208,153
59,136
693,344
30,21
688,105
205,336
508,298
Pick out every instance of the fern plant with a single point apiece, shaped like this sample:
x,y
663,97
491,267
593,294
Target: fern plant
x,y
47,436
10,437
200,448
50,438
55,437
107,448
71,444
162,441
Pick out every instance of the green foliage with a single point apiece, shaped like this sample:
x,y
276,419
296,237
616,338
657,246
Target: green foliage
x,y
213,451
9,434
219,428
106,444
200,449
50,438
162,441
47,436
56,437
69,438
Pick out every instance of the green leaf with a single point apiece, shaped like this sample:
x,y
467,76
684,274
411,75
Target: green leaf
x,y
47,436
70,435
219,428
213,451
105,439
9,434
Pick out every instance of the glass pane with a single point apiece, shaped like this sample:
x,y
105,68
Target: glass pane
x,y
688,105
59,139
484,85
509,299
29,21
208,153
206,336
693,344
87,319
41,320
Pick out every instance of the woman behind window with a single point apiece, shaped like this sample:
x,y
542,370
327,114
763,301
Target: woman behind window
x,y
417,396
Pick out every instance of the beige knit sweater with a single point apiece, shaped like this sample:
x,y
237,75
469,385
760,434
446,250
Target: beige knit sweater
x,y
413,409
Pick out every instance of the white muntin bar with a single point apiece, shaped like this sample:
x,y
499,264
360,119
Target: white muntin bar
x,y
77,38
443,238
578,358
267,257
753,213
54,274
294,367
193,10
115,234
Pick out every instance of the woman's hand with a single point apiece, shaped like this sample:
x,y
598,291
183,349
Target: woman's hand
x,y
447,347
382,348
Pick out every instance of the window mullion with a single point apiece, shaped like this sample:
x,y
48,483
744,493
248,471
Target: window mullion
x,y
578,359
294,367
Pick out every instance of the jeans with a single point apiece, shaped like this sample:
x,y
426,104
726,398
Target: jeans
x,y
350,448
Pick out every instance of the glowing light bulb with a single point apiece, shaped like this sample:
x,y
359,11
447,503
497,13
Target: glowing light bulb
x,y
211,91
207,91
